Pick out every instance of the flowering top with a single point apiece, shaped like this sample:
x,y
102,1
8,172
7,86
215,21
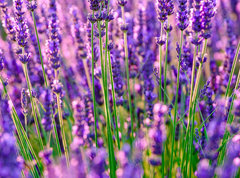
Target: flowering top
x,y
122,2
54,38
196,16
170,7
182,15
8,22
21,25
162,10
94,5
207,12
31,4
47,120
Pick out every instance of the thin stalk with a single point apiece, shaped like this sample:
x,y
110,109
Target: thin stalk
x,y
114,99
56,137
39,116
127,72
107,112
24,66
39,48
166,65
26,122
160,65
62,129
176,106
24,151
193,76
194,102
232,70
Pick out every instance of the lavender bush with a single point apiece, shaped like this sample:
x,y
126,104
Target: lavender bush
x,y
119,88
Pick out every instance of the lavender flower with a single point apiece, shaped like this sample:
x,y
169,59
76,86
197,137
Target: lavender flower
x,y
21,26
24,58
157,133
215,132
94,5
122,2
47,119
10,166
162,10
130,167
31,5
5,115
50,170
53,42
8,22
149,84
81,128
196,20
207,12
182,15
2,60
24,101
97,164
170,7
118,80
204,169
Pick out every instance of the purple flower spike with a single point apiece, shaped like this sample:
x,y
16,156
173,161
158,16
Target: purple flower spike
x,y
21,25
94,5
47,119
182,15
207,12
53,42
8,22
31,5
122,2
162,10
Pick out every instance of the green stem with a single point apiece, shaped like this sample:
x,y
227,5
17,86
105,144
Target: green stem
x,y
56,137
93,87
39,48
194,102
176,106
39,116
107,112
127,72
32,103
165,68
160,66
114,99
62,129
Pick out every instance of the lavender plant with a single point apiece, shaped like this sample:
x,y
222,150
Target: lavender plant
x,y
86,91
